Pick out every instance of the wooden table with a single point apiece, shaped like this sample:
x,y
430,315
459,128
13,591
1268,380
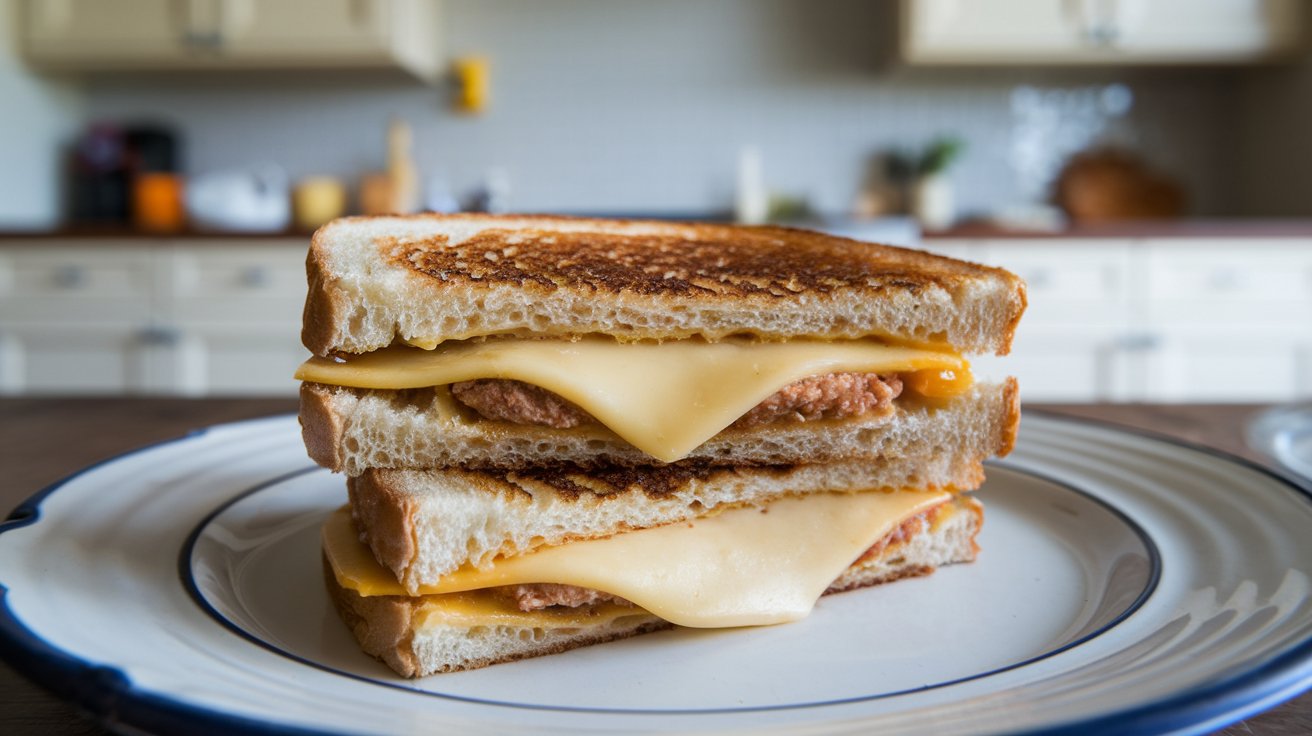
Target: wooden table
x,y
42,440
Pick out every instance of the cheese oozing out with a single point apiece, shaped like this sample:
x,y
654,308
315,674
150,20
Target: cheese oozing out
x,y
666,398
741,567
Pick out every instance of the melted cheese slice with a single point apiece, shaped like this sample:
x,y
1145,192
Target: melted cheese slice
x,y
663,398
484,608
742,567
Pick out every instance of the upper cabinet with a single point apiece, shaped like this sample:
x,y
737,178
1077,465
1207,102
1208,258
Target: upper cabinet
x,y
1099,31
106,35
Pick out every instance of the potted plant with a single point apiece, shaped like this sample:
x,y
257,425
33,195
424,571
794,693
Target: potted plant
x,y
932,200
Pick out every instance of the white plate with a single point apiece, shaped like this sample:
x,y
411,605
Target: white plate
x,y
1126,584
1284,434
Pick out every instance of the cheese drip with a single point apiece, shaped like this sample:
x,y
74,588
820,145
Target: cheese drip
x,y
742,567
666,399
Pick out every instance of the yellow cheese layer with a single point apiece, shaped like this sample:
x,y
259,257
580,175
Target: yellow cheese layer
x,y
483,608
742,567
663,398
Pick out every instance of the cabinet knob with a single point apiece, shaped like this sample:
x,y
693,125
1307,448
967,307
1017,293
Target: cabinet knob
x,y
70,276
160,336
1223,280
1039,278
254,277
1139,342
203,41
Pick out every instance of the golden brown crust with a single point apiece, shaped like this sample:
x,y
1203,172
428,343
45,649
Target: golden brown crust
x,y
638,275
1011,419
700,260
321,426
321,314
383,625
384,520
1020,294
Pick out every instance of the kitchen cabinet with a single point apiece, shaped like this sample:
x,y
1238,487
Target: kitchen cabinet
x,y
1109,319
1157,319
125,35
1099,31
137,30
173,317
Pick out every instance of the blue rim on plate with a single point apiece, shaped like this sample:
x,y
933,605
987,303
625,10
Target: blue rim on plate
x,y
108,694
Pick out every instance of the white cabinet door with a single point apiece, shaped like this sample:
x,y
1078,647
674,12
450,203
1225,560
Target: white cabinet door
x,y
1227,285
1070,344
1206,30
103,35
234,361
76,360
1249,366
66,283
1062,366
143,30
1001,30
290,29
258,284
1098,31
1076,284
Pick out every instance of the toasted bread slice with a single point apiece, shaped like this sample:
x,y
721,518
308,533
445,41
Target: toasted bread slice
x,y
422,525
352,430
411,636
432,278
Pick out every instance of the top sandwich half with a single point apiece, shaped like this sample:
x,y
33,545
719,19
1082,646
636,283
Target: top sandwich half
x,y
487,341
429,279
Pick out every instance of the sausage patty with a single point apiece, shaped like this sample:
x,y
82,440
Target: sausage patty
x,y
832,396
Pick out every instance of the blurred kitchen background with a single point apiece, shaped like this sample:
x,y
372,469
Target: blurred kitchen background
x,y
1145,164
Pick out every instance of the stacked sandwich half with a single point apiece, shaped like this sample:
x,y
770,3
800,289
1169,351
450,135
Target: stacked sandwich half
x,y
558,432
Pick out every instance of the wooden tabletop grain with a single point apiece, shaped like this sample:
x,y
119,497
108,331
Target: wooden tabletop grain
x,y
43,440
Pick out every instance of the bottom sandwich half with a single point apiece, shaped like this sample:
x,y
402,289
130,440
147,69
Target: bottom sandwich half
x,y
759,560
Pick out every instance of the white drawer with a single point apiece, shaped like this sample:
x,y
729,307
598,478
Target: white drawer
x,y
67,283
232,361
1201,367
261,283
1203,282
1070,283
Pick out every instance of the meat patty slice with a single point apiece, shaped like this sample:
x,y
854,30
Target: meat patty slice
x,y
536,596
519,402
832,396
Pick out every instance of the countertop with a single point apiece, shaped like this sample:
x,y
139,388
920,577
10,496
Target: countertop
x,y
1184,229
43,440
1157,229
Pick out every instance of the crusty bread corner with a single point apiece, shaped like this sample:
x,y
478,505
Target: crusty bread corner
x,y
383,625
353,430
440,277
392,628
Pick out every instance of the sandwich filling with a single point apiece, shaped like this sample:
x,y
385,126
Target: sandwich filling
x,y
742,567
832,396
666,398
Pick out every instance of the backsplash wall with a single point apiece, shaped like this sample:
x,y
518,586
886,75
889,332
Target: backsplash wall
x,y
631,107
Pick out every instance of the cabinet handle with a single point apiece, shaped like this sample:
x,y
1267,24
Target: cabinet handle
x,y
255,277
160,336
1138,342
1039,278
70,277
203,41
1223,280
